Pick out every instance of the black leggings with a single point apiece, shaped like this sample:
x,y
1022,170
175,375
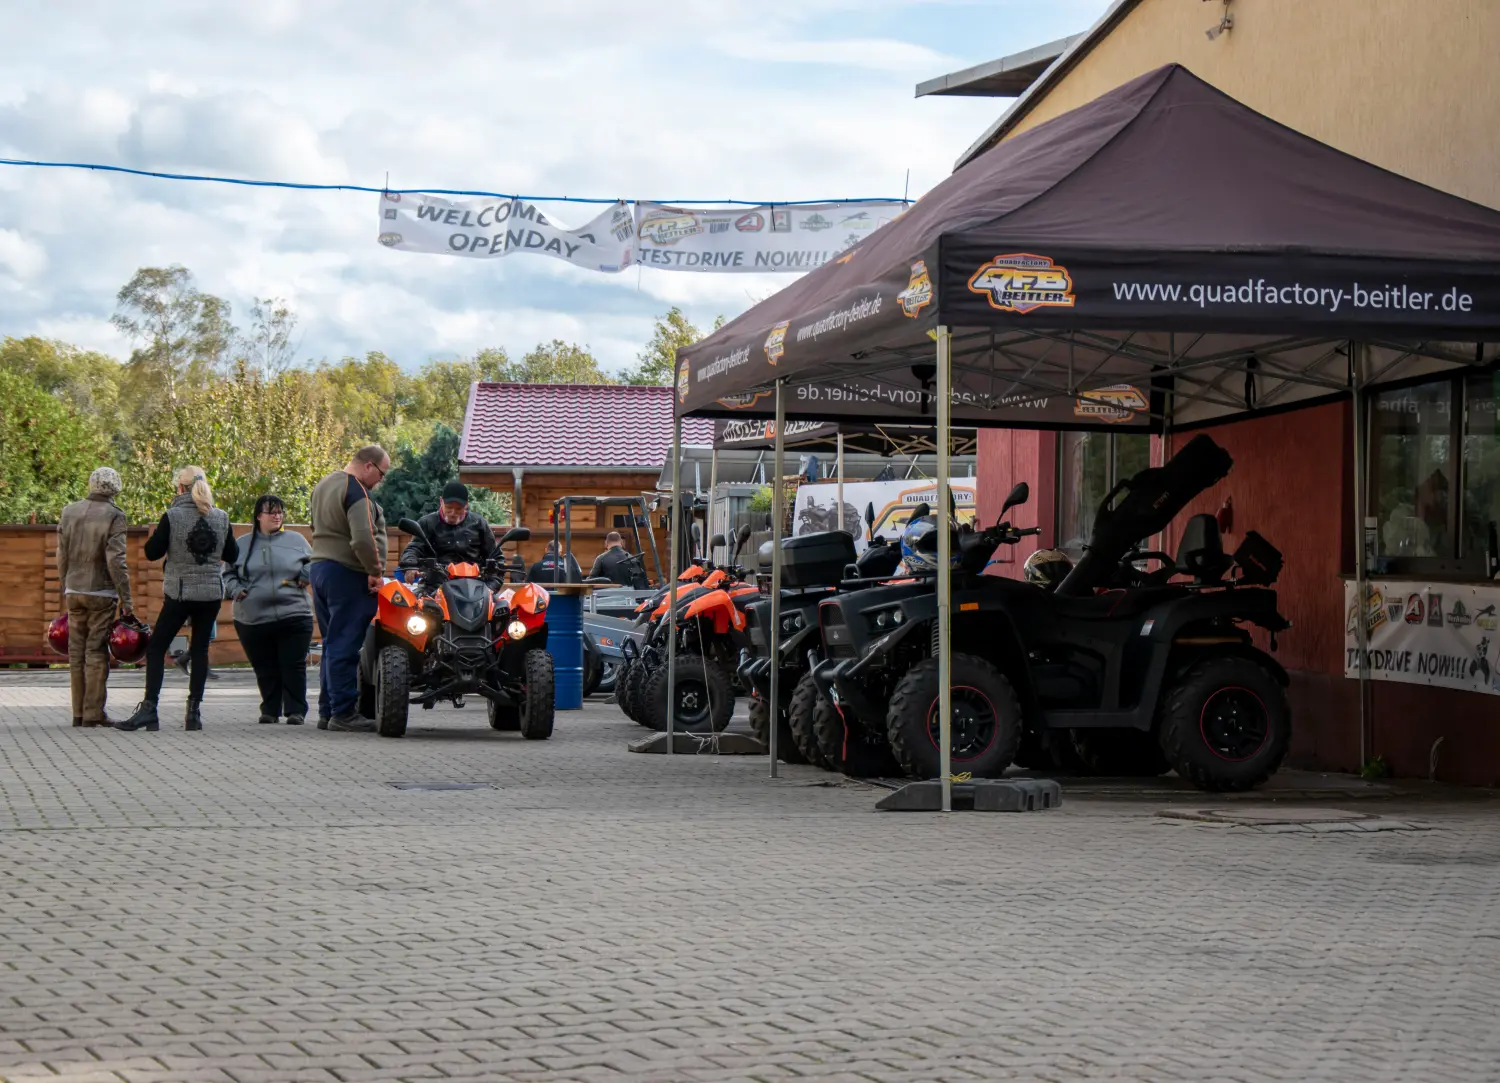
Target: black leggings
x,y
168,623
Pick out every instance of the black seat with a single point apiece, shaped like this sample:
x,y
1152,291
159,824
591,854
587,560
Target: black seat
x,y
1201,551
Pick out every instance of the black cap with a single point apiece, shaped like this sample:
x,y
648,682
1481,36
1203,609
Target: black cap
x,y
455,492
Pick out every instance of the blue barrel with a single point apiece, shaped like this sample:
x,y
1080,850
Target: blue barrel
x,y
565,641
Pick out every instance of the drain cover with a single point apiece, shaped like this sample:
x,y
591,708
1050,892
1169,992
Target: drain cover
x,y
1266,817
442,785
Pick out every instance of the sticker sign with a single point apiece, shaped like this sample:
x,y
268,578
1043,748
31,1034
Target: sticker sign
x,y
1445,636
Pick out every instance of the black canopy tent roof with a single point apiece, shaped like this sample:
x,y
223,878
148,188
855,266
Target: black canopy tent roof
x,y
1163,256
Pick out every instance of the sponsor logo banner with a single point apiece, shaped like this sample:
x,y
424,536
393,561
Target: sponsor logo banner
x,y
1417,635
760,433
751,240
491,228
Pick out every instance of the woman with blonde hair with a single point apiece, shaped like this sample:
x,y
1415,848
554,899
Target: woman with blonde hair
x,y
194,541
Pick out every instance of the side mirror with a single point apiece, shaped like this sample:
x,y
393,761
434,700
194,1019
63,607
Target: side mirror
x,y
1019,495
918,512
410,526
515,533
717,540
869,517
742,535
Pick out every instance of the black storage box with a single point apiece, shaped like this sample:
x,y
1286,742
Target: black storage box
x,y
816,560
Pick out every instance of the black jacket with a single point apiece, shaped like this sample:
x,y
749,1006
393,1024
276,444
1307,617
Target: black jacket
x,y
546,570
471,540
620,567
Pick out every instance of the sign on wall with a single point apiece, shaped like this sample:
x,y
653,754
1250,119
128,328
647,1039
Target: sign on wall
x,y
1446,635
816,506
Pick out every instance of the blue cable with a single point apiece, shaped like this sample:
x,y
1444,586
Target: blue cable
x,y
428,191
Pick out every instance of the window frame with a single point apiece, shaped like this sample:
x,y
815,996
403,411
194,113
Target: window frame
x,y
1455,565
1062,500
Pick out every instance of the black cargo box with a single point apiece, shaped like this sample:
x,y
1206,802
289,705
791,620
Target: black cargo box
x,y
816,560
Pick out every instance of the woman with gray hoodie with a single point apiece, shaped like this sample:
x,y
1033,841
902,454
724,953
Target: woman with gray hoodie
x,y
272,612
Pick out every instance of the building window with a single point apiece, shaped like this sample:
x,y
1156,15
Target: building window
x,y
1434,476
1090,464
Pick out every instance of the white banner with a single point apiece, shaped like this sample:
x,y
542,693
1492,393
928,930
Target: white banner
x,y
1440,634
749,240
490,228
816,506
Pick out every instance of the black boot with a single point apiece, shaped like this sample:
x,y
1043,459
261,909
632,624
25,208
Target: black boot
x,y
143,719
193,720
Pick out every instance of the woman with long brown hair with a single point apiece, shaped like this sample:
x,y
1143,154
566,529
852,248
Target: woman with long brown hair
x,y
194,541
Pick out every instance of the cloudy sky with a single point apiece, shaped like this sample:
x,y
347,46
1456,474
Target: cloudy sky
x,y
776,99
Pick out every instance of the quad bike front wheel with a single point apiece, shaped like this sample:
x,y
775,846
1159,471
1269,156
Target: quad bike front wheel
x,y
986,722
787,748
849,746
392,691
537,704
704,701
799,719
1225,724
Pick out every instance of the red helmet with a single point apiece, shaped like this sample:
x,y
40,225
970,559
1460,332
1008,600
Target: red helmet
x,y
57,635
128,639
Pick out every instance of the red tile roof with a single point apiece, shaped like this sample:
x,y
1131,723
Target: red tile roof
x,y
573,425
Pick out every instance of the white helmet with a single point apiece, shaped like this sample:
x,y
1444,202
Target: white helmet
x,y
1047,567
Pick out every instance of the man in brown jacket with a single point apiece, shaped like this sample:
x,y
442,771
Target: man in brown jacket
x,y
95,578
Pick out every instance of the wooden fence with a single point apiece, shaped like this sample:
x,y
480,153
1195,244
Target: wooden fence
x,y
31,596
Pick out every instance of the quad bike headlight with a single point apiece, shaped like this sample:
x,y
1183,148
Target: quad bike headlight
x,y
416,624
516,630
883,620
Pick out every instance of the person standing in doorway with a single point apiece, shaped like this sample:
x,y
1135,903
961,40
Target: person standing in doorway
x,y
95,578
272,612
194,542
348,561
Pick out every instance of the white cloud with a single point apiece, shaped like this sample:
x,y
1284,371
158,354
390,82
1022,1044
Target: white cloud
x,y
772,100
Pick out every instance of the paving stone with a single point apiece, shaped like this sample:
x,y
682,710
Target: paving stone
x,y
258,903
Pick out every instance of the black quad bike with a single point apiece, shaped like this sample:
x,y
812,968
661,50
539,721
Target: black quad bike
x,y
458,632
1144,670
814,566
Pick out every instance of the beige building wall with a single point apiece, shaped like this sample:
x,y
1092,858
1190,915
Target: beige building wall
x,y
1411,85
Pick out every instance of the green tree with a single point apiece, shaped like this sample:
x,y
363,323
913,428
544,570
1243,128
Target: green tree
x,y
87,381
657,363
415,484
46,451
268,346
441,392
181,334
251,433
558,362
371,396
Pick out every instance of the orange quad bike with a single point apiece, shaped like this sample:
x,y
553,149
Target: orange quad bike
x,y
459,631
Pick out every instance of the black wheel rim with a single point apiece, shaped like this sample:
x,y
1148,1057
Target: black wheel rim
x,y
1235,724
975,724
693,706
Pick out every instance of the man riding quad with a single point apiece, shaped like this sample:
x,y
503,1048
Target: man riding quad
x,y
451,535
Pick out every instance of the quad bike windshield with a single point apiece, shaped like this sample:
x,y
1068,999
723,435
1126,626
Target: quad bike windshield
x,y
468,603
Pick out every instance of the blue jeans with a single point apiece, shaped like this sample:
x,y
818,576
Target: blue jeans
x,y
345,607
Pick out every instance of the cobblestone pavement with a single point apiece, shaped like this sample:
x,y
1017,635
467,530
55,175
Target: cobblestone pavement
x,y
257,903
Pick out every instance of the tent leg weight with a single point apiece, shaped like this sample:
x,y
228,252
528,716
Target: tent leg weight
x,y
981,795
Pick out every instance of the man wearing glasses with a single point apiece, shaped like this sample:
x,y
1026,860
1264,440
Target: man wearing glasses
x,y
348,561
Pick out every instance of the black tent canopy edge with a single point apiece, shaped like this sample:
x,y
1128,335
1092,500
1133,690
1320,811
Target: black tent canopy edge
x,y
1238,295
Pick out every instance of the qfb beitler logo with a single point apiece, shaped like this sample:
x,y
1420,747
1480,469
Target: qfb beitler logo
x,y
1023,282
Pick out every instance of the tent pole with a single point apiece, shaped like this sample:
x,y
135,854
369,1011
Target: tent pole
x,y
841,479
713,486
676,565
778,514
1361,604
944,572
